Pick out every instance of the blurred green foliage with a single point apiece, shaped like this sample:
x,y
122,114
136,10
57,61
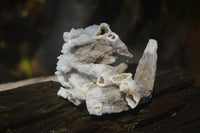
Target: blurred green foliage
x,y
20,27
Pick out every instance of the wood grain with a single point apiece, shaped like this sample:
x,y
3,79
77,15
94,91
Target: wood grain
x,y
174,107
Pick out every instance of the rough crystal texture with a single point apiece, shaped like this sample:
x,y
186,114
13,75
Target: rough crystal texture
x,y
89,70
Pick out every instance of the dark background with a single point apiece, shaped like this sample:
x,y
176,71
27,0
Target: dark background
x,y
31,32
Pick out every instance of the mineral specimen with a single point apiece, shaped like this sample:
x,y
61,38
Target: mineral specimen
x,y
90,70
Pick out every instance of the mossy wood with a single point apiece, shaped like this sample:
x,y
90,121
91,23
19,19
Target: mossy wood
x,y
35,108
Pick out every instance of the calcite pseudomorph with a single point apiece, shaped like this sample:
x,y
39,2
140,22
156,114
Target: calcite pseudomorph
x,y
89,70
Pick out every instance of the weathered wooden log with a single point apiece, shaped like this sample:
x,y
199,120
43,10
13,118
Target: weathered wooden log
x,y
174,106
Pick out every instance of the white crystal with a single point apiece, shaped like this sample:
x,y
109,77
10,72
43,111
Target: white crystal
x,y
89,71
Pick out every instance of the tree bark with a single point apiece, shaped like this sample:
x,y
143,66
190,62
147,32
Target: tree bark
x,y
174,107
